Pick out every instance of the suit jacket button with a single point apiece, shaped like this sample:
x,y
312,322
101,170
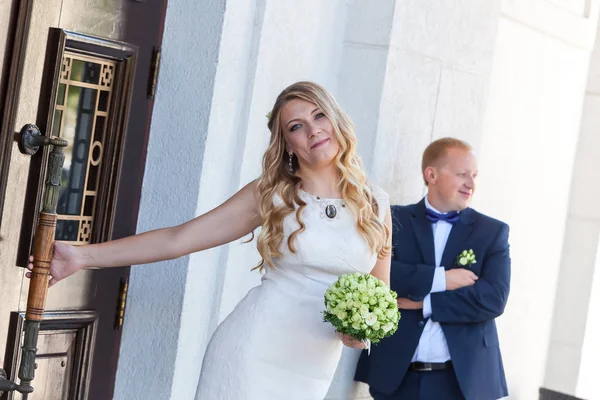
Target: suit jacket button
x,y
421,324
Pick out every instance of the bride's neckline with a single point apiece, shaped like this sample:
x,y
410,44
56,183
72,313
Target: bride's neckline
x,y
319,198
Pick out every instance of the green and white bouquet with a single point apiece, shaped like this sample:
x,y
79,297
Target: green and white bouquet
x,y
363,307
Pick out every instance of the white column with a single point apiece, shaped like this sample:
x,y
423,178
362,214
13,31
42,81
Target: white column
x,y
587,383
166,322
574,342
526,160
413,72
436,83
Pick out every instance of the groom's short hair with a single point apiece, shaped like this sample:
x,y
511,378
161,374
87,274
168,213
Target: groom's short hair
x,y
438,149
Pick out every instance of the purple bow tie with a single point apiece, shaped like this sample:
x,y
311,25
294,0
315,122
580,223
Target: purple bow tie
x,y
433,217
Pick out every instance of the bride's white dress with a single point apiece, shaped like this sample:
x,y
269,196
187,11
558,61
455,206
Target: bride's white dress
x,y
275,345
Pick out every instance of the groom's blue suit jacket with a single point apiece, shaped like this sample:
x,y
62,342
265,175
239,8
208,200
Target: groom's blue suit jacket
x,y
466,315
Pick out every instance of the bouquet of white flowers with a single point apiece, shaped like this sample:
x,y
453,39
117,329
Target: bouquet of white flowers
x,y
363,307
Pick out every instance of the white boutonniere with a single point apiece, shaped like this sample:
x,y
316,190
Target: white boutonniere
x,y
466,258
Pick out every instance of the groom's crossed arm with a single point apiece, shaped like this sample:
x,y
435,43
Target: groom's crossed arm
x,y
486,299
412,281
415,281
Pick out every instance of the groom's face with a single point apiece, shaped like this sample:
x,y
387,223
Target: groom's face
x,y
455,181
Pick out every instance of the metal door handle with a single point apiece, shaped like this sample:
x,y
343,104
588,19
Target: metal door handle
x,y
43,247
30,139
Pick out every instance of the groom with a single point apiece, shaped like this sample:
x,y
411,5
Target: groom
x,y
446,345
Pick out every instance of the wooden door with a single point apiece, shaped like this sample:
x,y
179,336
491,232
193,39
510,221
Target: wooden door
x,y
84,71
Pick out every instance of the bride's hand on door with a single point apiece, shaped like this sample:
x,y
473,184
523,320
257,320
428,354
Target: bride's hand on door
x,y
65,262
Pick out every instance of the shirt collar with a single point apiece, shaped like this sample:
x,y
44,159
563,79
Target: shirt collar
x,y
428,205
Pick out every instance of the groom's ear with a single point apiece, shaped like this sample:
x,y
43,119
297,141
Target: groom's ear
x,y
430,174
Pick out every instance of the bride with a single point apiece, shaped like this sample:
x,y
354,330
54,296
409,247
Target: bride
x,y
319,219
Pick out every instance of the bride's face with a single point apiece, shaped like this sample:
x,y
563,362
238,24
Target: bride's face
x,y
308,133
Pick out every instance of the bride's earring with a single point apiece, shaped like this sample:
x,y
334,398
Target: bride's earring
x,y
290,166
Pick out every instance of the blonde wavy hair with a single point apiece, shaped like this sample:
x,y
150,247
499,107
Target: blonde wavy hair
x,y
277,179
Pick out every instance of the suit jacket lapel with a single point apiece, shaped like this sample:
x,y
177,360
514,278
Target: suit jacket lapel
x,y
424,233
458,238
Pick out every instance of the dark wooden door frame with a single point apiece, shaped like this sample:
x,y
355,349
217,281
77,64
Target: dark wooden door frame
x,y
14,60
144,27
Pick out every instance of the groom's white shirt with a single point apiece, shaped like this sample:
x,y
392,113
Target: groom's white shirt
x,y
432,346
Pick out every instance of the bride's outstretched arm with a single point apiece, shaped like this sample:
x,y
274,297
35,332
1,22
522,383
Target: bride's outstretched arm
x,y
232,220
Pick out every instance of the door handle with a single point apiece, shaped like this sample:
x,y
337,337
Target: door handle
x,y
30,140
